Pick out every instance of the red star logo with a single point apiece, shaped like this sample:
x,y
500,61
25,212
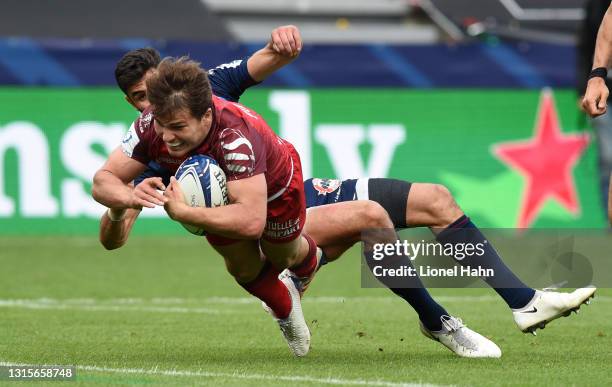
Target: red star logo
x,y
546,162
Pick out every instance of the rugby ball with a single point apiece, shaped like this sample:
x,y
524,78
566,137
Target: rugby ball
x,y
203,184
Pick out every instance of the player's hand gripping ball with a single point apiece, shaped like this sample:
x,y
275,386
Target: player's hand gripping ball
x,y
203,184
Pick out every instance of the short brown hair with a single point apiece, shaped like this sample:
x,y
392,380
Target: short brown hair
x,y
179,83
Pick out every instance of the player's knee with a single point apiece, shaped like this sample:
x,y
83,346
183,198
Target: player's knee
x,y
242,273
442,205
374,215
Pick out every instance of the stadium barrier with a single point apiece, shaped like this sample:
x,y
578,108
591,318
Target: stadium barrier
x,y
52,141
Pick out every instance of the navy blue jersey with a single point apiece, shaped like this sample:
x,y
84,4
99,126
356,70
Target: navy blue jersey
x,y
228,81
329,191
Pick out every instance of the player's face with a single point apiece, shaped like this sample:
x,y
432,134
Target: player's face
x,y
137,93
183,132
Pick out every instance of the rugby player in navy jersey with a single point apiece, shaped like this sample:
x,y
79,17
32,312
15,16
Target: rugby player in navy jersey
x,y
337,227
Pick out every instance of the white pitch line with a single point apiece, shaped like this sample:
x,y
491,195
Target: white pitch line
x,y
189,305
243,300
27,304
238,375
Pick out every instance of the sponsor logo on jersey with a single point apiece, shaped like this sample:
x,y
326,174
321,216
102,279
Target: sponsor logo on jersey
x,y
169,160
231,65
282,230
145,121
245,110
238,152
325,186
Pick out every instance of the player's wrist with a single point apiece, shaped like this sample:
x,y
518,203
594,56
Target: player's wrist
x,y
116,214
177,211
599,72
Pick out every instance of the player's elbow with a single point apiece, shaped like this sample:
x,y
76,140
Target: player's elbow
x,y
112,244
111,241
97,184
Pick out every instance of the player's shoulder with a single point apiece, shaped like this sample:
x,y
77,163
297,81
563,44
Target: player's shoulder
x,y
140,134
233,113
239,151
224,67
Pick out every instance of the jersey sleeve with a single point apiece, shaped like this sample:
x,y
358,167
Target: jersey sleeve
x,y
135,143
244,153
230,80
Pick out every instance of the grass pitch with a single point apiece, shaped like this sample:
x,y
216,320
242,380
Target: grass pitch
x,y
163,310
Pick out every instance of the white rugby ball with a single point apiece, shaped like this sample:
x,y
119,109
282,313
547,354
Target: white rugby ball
x,y
203,184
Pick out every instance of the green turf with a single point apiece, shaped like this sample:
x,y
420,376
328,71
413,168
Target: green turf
x,y
168,304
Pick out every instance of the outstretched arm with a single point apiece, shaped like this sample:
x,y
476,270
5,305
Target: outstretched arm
x,y
284,46
596,95
231,80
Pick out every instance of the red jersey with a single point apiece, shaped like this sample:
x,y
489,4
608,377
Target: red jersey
x,y
239,139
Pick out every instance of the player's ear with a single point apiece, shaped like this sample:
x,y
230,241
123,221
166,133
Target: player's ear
x,y
207,117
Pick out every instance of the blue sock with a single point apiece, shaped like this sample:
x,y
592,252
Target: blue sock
x,y
427,308
506,284
414,292
323,260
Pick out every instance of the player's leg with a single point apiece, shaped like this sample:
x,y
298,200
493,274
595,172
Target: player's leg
x,y
603,134
286,247
610,200
283,241
245,262
339,225
301,256
336,224
433,205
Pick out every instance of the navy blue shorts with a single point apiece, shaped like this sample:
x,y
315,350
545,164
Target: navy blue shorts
x,y
154,170
391,194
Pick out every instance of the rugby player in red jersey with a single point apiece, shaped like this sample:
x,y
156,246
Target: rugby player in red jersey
x,y
265,186
228,80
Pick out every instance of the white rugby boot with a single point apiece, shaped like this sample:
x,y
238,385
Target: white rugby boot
x,y
302,283
547,306
462,340
294,327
